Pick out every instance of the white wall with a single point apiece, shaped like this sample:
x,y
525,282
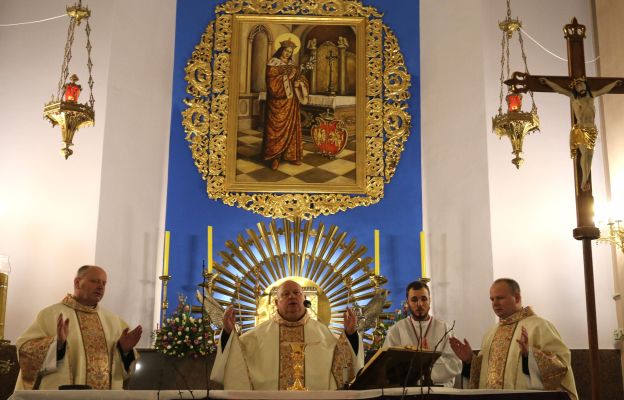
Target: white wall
x,y
105,204
512,223
134,167
454,162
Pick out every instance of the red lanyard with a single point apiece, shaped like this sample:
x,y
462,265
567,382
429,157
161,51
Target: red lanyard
x,y
422,338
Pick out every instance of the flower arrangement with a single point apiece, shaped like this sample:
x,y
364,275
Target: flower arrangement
x,y
379,335
182,334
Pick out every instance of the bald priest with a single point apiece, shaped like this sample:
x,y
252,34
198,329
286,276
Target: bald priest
x,y
262,359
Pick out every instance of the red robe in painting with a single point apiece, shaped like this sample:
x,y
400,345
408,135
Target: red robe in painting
x,y
282,133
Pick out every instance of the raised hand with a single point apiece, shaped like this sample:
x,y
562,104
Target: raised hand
x,y
350,321
229,321
524,342
461,350
62,330
129,339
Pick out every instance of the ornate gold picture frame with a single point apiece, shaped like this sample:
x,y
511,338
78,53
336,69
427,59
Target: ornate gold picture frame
x,y
297,108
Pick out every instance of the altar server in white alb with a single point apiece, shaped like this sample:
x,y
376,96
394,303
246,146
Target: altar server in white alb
x,y
421,331
262,359
77,342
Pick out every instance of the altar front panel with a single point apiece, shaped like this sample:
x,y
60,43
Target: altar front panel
x,y
395,393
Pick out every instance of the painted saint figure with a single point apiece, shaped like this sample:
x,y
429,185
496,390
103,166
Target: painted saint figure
x,y
287,88
584,132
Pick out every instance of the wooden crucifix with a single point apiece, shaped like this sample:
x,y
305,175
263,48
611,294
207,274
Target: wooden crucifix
x,y
582,91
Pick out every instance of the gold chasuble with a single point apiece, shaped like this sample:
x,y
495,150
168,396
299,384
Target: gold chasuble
x,y
499,363
91,355
263,358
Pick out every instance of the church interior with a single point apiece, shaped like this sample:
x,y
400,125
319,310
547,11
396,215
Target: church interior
x,y
449,205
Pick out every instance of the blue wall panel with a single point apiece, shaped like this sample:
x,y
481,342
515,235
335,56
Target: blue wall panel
x,y
398,215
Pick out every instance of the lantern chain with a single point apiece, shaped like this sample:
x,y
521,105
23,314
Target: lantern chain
x,y
90,65
526,69
502,75
67,56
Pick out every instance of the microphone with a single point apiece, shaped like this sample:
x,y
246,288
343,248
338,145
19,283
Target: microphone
x,y
308,304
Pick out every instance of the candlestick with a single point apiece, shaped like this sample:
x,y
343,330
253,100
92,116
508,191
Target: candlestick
x,y
165,304
209,249
377,267
423,258
166,256
5,270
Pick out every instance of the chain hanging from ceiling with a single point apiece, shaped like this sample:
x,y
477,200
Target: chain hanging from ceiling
x,y
513,123
64,109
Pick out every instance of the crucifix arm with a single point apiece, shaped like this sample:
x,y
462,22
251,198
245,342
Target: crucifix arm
x,y
521,82
607,88
554,86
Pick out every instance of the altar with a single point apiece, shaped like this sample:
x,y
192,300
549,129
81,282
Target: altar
x,y
395,393
340,107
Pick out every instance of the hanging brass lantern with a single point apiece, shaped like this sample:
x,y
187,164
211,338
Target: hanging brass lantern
x,y
514,123
64,109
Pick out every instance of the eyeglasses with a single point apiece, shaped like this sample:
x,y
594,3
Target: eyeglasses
x,y
284,295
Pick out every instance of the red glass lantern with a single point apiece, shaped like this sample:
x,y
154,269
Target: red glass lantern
x,y
72,90
514,102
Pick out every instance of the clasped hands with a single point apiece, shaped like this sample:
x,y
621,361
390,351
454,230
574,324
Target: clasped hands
x,y
464,351
127,340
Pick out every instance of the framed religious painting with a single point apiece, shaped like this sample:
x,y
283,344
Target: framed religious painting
x,y
297,108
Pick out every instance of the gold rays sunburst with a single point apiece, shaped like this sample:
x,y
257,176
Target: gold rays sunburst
x,y
332,269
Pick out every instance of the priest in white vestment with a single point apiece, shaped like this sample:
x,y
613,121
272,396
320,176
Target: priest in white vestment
x,y
262,359
421,331
77,342
522,351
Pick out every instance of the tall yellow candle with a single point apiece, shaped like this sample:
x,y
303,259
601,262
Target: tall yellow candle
x,y
423,258
209,249
166,257
377,268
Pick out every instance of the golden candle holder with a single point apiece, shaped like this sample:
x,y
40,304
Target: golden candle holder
x,y
5,270
298,355
378,280
209,278
4,287
165,304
